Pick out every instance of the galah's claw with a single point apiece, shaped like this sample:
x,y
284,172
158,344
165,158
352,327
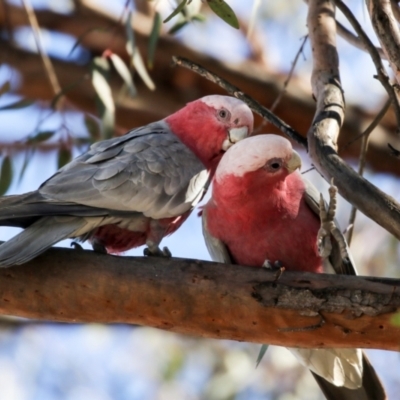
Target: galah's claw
x,y
76,245
155,251
328,226
99,247
277,265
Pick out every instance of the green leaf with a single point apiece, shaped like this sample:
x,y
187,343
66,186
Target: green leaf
x,y
106,107
124,73
6,175
28,155
64,157
130,45
18,104
108,123
153,39
140,68
92,127
261,354
199,18
395,319
5,87
41,137
224,11
99,80
136,58
177,10
177,27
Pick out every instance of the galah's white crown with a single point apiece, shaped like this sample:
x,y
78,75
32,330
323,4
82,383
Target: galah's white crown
x,y
253,153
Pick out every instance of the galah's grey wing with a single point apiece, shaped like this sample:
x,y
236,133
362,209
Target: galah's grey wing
x,y
149,170
216,247
146,172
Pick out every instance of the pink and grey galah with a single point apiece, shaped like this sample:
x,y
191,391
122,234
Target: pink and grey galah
x,y
263,209
130,190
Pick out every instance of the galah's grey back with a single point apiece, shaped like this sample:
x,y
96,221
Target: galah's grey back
x,y
148,172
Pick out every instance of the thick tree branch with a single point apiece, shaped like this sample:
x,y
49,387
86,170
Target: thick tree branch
x,y
376,58
323,134
205,299
388,32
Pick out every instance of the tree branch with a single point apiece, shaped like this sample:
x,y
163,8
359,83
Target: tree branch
x,y
376,58
235,91
205,299
323,134
355,40
388,32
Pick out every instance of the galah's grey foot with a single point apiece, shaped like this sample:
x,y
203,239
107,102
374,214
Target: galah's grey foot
x,y
272,266
328,226
276,266
155,251
76,245
99,247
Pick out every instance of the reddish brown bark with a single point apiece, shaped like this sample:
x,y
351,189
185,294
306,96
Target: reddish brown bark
x,y
205,299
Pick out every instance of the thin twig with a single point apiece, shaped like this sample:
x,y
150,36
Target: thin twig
x,y
388,32
382,75
373,124
286,83
362,160
51,74
355,40
235,91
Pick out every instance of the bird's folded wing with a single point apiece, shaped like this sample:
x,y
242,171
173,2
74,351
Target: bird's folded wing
x,y
149,170
217,249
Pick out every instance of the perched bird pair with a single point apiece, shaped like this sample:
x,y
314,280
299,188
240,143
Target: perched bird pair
x,y
138,188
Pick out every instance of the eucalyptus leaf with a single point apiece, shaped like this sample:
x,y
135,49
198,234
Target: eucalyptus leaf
x,y
124,73
92,127
224,11
5,87
177,10
6,175
261,354
41,137
153,39
18,104
100,82
140,68
64,157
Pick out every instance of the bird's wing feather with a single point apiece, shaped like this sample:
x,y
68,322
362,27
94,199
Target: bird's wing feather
x,y
148,170
40,236
216,247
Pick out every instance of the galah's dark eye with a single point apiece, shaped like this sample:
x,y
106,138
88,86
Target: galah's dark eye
x,y
273,165
224,115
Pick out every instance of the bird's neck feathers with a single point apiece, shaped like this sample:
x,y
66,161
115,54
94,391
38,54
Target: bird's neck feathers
x,y
197,127
280,194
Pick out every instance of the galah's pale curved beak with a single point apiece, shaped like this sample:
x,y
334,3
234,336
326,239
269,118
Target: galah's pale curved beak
x,y
234,136
294,162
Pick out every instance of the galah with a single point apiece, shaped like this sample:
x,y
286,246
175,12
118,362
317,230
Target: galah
x,y
263,209
130,190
